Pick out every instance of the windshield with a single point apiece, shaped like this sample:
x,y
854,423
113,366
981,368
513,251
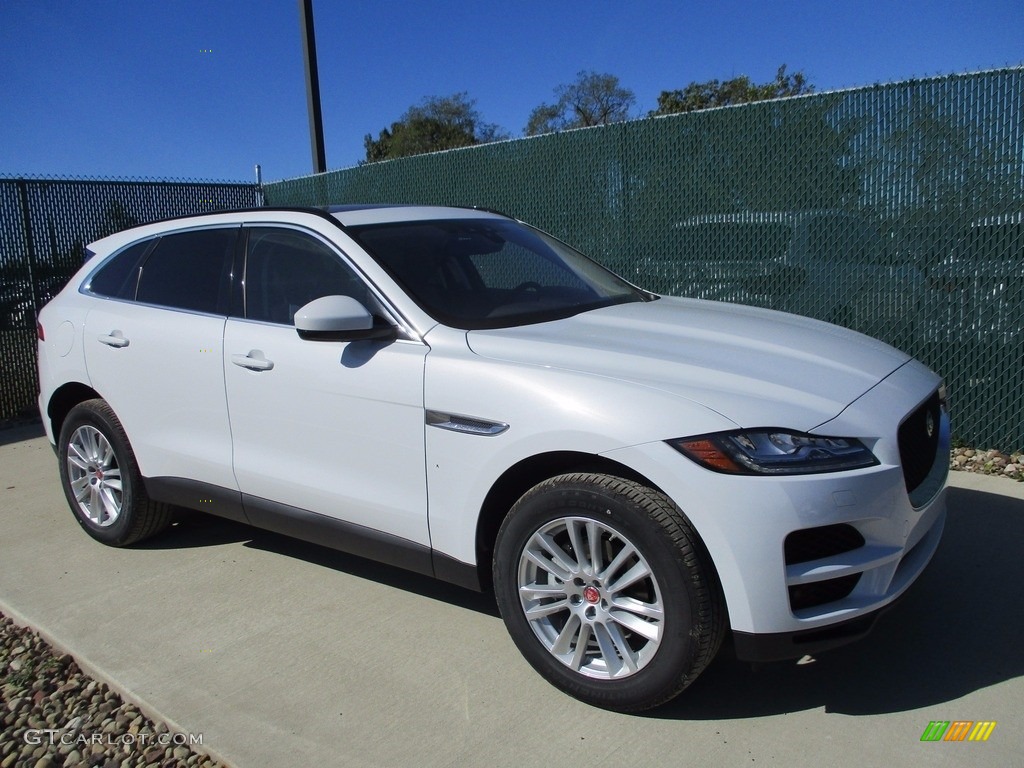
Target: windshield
x,y
490,273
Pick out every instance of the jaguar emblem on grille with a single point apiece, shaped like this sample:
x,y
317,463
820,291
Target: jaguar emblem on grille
x,y
929,424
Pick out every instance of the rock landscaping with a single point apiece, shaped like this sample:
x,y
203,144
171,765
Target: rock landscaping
x,y
992,462
53,714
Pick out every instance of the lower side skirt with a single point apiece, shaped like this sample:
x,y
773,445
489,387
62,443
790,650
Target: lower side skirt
x,y
314,528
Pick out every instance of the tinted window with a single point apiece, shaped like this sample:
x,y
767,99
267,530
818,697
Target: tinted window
x,y
119,276
490,273
286,269
188,270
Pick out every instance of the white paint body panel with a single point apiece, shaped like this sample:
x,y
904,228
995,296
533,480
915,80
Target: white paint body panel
x,y
332,428
168,384
753,366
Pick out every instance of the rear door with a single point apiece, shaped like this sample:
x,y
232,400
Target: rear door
x,y
154,351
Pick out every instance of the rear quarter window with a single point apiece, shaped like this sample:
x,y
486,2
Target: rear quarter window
x,y
189,270
118,278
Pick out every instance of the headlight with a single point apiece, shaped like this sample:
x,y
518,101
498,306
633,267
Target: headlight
x,y
774,452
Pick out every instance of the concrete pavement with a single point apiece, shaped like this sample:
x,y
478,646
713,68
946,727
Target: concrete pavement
x,y
282,653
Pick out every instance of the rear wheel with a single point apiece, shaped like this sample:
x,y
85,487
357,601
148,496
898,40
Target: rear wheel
x,y
607,590
101,478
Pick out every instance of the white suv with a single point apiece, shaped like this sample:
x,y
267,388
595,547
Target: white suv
x,y
456,393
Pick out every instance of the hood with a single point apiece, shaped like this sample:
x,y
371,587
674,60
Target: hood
x,y
755,367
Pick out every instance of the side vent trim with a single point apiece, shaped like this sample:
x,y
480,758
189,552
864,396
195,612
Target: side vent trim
x,y
465,424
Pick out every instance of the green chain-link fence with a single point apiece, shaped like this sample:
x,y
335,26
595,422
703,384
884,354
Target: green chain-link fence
x,y
897,210
44,226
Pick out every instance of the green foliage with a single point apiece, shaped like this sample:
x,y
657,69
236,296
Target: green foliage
x,y
20,679
437,123
594,99
739,90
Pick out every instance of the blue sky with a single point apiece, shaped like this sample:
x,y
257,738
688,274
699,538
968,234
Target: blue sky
x,y
190,89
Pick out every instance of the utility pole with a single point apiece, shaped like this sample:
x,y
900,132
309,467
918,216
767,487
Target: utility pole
x,y
316,122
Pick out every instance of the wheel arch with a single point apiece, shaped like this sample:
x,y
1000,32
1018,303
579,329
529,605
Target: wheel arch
x,y
63,399
524,475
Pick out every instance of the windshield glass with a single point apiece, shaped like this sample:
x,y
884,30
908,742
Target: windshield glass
x,y
490,273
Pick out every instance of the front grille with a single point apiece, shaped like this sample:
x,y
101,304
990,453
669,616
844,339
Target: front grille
x,y
817,593
919,441
817,543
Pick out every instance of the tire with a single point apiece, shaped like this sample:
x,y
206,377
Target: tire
x,y
645,640
101,478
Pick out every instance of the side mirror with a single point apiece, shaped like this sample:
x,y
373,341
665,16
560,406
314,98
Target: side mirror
x,y
339,318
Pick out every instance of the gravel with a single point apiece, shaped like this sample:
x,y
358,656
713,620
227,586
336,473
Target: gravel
x,y
992,462
53,714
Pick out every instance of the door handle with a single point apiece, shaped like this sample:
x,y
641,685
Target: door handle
x,y
113,339
254,361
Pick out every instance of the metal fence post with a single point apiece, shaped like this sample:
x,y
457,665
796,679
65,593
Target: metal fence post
x,y
26,219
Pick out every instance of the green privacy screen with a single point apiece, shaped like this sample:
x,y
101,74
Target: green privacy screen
x,y
893,209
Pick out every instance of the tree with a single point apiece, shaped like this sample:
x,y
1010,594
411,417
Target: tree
x,y
739,90
594,99
437,123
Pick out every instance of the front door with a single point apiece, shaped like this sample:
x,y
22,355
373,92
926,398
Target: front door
x,y
325,427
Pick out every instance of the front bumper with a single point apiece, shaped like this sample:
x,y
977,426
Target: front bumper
x,y
776,646
806,562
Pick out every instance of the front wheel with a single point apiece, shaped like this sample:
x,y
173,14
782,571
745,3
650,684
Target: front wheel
x,y
607,590
101,478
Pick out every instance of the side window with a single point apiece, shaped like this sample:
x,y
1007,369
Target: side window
x,y
118,278
188,270
285,270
